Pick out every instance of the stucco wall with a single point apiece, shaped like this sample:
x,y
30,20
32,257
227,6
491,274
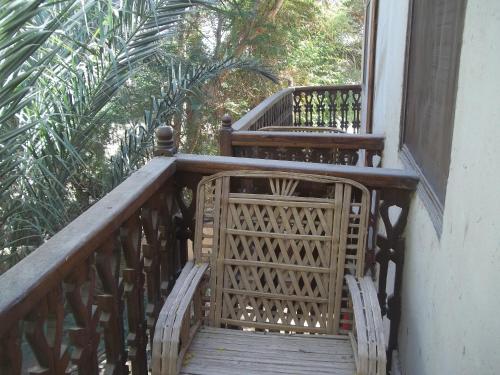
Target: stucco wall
x,y
451,297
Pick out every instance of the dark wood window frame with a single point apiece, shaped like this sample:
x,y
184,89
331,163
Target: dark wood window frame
x,y
430,199
368,69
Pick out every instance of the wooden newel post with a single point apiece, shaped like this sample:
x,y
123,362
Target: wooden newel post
x,y
225,147
165,145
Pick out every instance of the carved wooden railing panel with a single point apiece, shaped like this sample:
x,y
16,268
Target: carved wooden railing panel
x,y
343,149
336,107
87,300
334,155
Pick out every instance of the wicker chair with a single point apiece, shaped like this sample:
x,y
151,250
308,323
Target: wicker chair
x,y
276,286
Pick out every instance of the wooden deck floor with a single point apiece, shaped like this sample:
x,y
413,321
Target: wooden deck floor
x,y
216,351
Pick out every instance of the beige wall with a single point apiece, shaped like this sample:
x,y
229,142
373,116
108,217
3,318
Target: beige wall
x,y
451,297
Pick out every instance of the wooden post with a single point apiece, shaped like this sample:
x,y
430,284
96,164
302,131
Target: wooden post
x,y
225,147
164,141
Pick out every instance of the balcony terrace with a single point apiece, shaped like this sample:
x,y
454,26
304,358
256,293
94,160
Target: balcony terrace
x,y
88,299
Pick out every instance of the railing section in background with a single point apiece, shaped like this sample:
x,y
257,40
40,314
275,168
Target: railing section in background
x,y
333,108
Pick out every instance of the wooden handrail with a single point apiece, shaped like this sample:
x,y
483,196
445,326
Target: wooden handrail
x,y
371,177
326,88
316,140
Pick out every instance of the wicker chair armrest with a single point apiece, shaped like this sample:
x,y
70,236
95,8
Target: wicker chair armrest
x,y
369,341
175,326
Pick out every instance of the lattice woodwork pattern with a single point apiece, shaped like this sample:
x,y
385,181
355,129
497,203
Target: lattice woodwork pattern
x,y
101,316
279,250
334,107
334,155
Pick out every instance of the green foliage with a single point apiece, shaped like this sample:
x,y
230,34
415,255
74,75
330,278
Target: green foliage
x,y
177,104
60,63
304,41
76,77
328,53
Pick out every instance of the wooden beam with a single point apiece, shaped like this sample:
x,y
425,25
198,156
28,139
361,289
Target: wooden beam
x,y
304,139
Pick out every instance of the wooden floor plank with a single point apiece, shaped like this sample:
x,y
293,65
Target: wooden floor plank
x,y
228,352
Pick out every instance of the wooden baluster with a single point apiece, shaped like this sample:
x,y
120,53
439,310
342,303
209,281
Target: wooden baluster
x,y
289,118
370,156
356,109
297,109
284,111
320,108
151,251
286,117
168,241
186,222
344,110
332,109
371,241
274,114
308,108
307,154
280,111
348,157
225,132
391,248
11,356
111,306
130,235
79,289
51,355
256,152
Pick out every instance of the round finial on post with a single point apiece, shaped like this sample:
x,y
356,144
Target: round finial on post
x,y
227,121
164,141
225,133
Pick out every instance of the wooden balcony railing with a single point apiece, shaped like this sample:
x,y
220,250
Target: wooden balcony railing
x,y
87,300
311,124
325,108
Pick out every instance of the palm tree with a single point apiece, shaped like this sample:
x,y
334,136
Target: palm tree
x,y
61,62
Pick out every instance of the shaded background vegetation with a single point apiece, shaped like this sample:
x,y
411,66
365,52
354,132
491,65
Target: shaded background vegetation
x,y
85,83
